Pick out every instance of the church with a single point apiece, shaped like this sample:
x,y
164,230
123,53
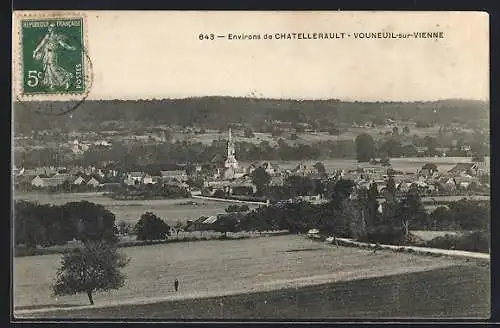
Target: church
x,y
232,167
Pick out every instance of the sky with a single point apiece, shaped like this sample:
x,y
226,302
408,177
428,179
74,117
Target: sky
x,y
143,55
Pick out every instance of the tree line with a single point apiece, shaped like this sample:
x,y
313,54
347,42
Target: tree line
x,y
219,112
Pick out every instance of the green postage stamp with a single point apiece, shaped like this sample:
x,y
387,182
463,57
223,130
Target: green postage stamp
x,y
53,56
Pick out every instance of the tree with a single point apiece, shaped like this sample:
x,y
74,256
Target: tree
x,y
365,147
261,179
410,209
249,133
391,148
334,131
431,143
178,227
93,267
94,221
478,158
28,227
409,150
219,193
299,185
431,167
190,170
390,189
320,168
124,228
342,189
151,227
234,208
225,224
441,219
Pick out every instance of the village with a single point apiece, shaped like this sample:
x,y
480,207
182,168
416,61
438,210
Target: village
x,y
234,178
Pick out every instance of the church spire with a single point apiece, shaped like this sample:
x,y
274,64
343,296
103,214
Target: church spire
x,y
231,159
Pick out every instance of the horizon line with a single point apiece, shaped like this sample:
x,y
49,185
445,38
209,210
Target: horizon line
x,y
264,98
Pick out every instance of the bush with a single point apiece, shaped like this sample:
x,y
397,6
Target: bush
x,y
151,227
384,235
478,241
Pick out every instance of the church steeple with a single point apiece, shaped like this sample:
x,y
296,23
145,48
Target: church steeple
x,y
231,161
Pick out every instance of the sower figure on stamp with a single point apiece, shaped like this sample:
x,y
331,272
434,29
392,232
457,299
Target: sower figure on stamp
x,y
54,74
176,284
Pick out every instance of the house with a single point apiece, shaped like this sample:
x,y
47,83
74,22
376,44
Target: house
x,y
202,223
251,168
463,182
425,173
447,184
403,186
271,169
78,181
464,168
134,178
465,148
300,169
43,182
229,174
314,234
177,175
147,179
421,150
381,184
93,182
238,185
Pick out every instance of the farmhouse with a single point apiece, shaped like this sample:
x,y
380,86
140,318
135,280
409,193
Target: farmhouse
x,y
78,181
202,223
93,182
464,168
271,169
134,178
176,175
43,182
276,181
147,179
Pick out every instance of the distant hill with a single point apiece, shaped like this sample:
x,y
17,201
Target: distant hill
x,y
218,112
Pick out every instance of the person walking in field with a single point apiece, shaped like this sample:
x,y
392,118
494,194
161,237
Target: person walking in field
x,y
176,284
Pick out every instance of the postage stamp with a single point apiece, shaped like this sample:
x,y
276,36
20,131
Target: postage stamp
x,y
50,60
52,53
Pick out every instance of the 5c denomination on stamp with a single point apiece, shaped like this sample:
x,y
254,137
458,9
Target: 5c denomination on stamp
x,y
53,56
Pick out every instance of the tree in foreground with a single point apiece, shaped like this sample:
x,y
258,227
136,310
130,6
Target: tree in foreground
x,y
93,267
151,227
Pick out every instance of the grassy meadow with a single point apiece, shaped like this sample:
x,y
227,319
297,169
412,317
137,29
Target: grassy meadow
x,y
215,268
305,137
452,292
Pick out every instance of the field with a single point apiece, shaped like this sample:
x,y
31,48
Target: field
x,y
304,138
224,268
130,211
453,292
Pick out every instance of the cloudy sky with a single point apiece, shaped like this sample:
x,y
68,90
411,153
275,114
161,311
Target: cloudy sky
x,y
139,55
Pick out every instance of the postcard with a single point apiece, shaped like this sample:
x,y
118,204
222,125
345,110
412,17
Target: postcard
x,y
265,165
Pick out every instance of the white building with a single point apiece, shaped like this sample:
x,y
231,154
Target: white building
x,y
231,161
233,170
